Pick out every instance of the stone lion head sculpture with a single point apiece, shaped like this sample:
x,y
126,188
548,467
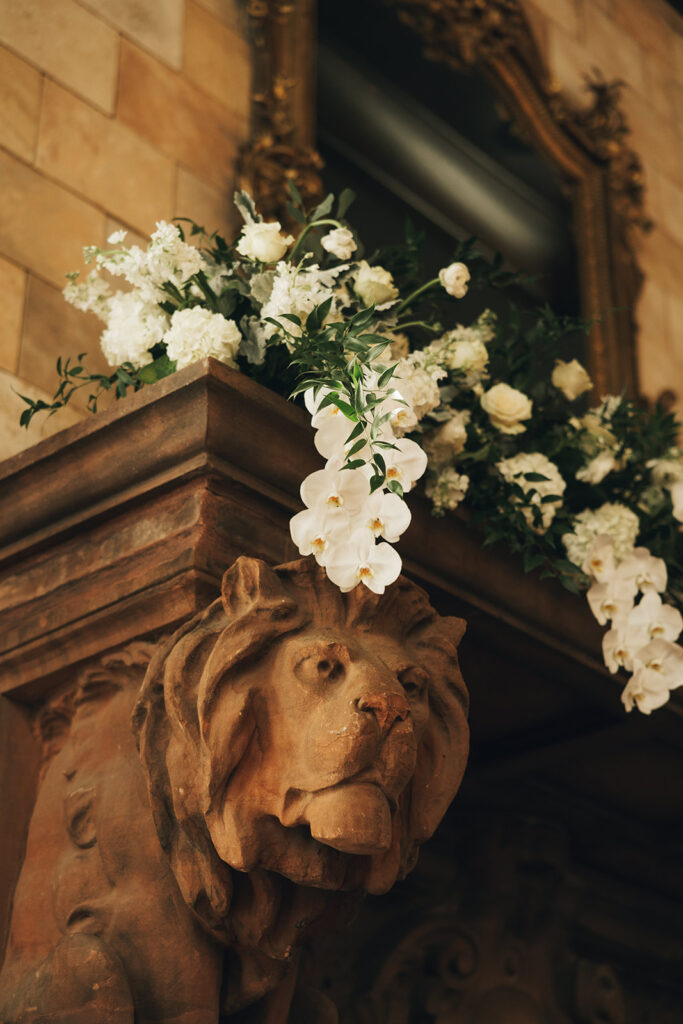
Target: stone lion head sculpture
x,y
299,745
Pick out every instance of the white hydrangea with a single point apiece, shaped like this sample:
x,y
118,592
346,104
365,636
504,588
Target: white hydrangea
x,y
91,296
447,489
167,258
418,388
298,291
134,326
197,333
514,470
613,519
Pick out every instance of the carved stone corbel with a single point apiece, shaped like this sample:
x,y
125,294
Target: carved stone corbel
x,y
208,804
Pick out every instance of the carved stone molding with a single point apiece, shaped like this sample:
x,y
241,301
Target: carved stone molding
x,y
289,749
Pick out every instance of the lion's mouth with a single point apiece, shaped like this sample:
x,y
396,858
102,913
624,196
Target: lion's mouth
x,y
353,816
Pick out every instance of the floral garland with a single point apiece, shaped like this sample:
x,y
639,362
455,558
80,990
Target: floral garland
x,y
496,419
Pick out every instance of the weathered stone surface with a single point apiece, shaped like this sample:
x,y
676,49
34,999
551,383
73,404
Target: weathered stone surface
x,y
297,745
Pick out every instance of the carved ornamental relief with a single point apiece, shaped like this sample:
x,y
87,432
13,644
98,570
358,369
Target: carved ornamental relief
x,y
284,752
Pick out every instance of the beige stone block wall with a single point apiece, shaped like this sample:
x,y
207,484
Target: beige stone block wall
x,y
117,113
113,114
640,42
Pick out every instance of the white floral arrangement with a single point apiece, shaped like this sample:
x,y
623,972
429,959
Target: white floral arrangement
x,y
489,414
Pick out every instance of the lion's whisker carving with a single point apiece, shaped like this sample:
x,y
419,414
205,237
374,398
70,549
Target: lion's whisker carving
x,y
296,745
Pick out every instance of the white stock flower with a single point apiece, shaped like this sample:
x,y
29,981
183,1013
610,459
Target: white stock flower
x,y
255,341
406,463
298,291
167,258
447,489
570,378
134,327
197,333
613,519
448,440
515,469
360,560
506,408
374,284
263,241
91,296
454,279
117,237
339,242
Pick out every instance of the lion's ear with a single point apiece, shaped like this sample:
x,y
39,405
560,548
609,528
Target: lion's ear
x,y
250,583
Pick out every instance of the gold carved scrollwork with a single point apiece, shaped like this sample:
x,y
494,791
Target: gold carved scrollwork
x,y
280,147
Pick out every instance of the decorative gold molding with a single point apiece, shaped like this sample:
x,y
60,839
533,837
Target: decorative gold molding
x,y
282,121
587,145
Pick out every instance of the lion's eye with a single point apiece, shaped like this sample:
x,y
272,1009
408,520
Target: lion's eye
x,y
326,666
413,680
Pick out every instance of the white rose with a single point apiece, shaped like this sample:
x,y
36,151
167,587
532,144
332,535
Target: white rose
x,y
374,284
263,242
571,379
339,242
506,407
454,279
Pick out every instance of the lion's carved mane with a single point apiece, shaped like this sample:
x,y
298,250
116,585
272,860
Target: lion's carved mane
x,y
299,744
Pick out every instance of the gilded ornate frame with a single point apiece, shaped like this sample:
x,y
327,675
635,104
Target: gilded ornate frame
x,y
588,145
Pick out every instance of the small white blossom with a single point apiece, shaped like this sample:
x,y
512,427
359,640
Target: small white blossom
x,y
571,379
515,469
454,279
263,242
443,444
91,296
506,408
339,242
374,284
595,471
134,327
360,560
613,519
297,291
197,333
167,259
418,388
117,237
447,489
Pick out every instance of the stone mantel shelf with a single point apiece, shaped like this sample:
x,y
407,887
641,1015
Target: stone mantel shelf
x,y
168,488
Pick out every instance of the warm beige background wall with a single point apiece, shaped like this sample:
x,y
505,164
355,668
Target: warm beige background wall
x,y
113,113
122,112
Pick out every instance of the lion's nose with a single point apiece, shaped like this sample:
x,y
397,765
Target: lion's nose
x,y
386,707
